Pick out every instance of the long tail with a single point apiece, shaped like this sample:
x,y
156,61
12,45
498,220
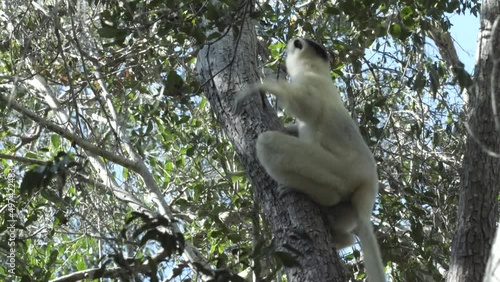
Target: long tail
x,y
371,251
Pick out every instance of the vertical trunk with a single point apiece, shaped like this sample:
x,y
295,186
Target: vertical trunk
x,y
480,177
223,68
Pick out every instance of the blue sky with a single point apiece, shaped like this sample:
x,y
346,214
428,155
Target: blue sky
x,y
464,31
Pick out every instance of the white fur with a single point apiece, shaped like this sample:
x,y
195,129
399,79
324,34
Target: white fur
x,y
329,162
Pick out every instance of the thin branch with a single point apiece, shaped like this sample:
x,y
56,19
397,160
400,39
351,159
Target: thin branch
x,y
68,135
95,273
65,64
22,159
448,52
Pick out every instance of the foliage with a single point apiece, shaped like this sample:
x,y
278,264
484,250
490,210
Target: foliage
x,y
119,75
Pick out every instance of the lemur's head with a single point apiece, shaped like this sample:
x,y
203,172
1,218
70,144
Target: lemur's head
x,y
304,55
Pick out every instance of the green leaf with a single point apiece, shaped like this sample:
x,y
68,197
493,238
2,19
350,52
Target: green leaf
x,y
406,12
190,151
331,10
52,258
453,6
213,36
395,30
174,83
111,32
434,81
419,82
55,139
212,13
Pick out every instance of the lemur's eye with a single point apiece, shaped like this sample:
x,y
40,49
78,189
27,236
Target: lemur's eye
x,y
298,44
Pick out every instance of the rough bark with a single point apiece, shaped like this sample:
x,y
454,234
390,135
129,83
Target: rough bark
x,y
480,176
223,68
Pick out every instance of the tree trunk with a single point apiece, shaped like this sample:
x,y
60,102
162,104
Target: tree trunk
x,y
223,68
480,176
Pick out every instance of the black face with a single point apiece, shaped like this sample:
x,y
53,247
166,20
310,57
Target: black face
x,y
298,44
318,49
